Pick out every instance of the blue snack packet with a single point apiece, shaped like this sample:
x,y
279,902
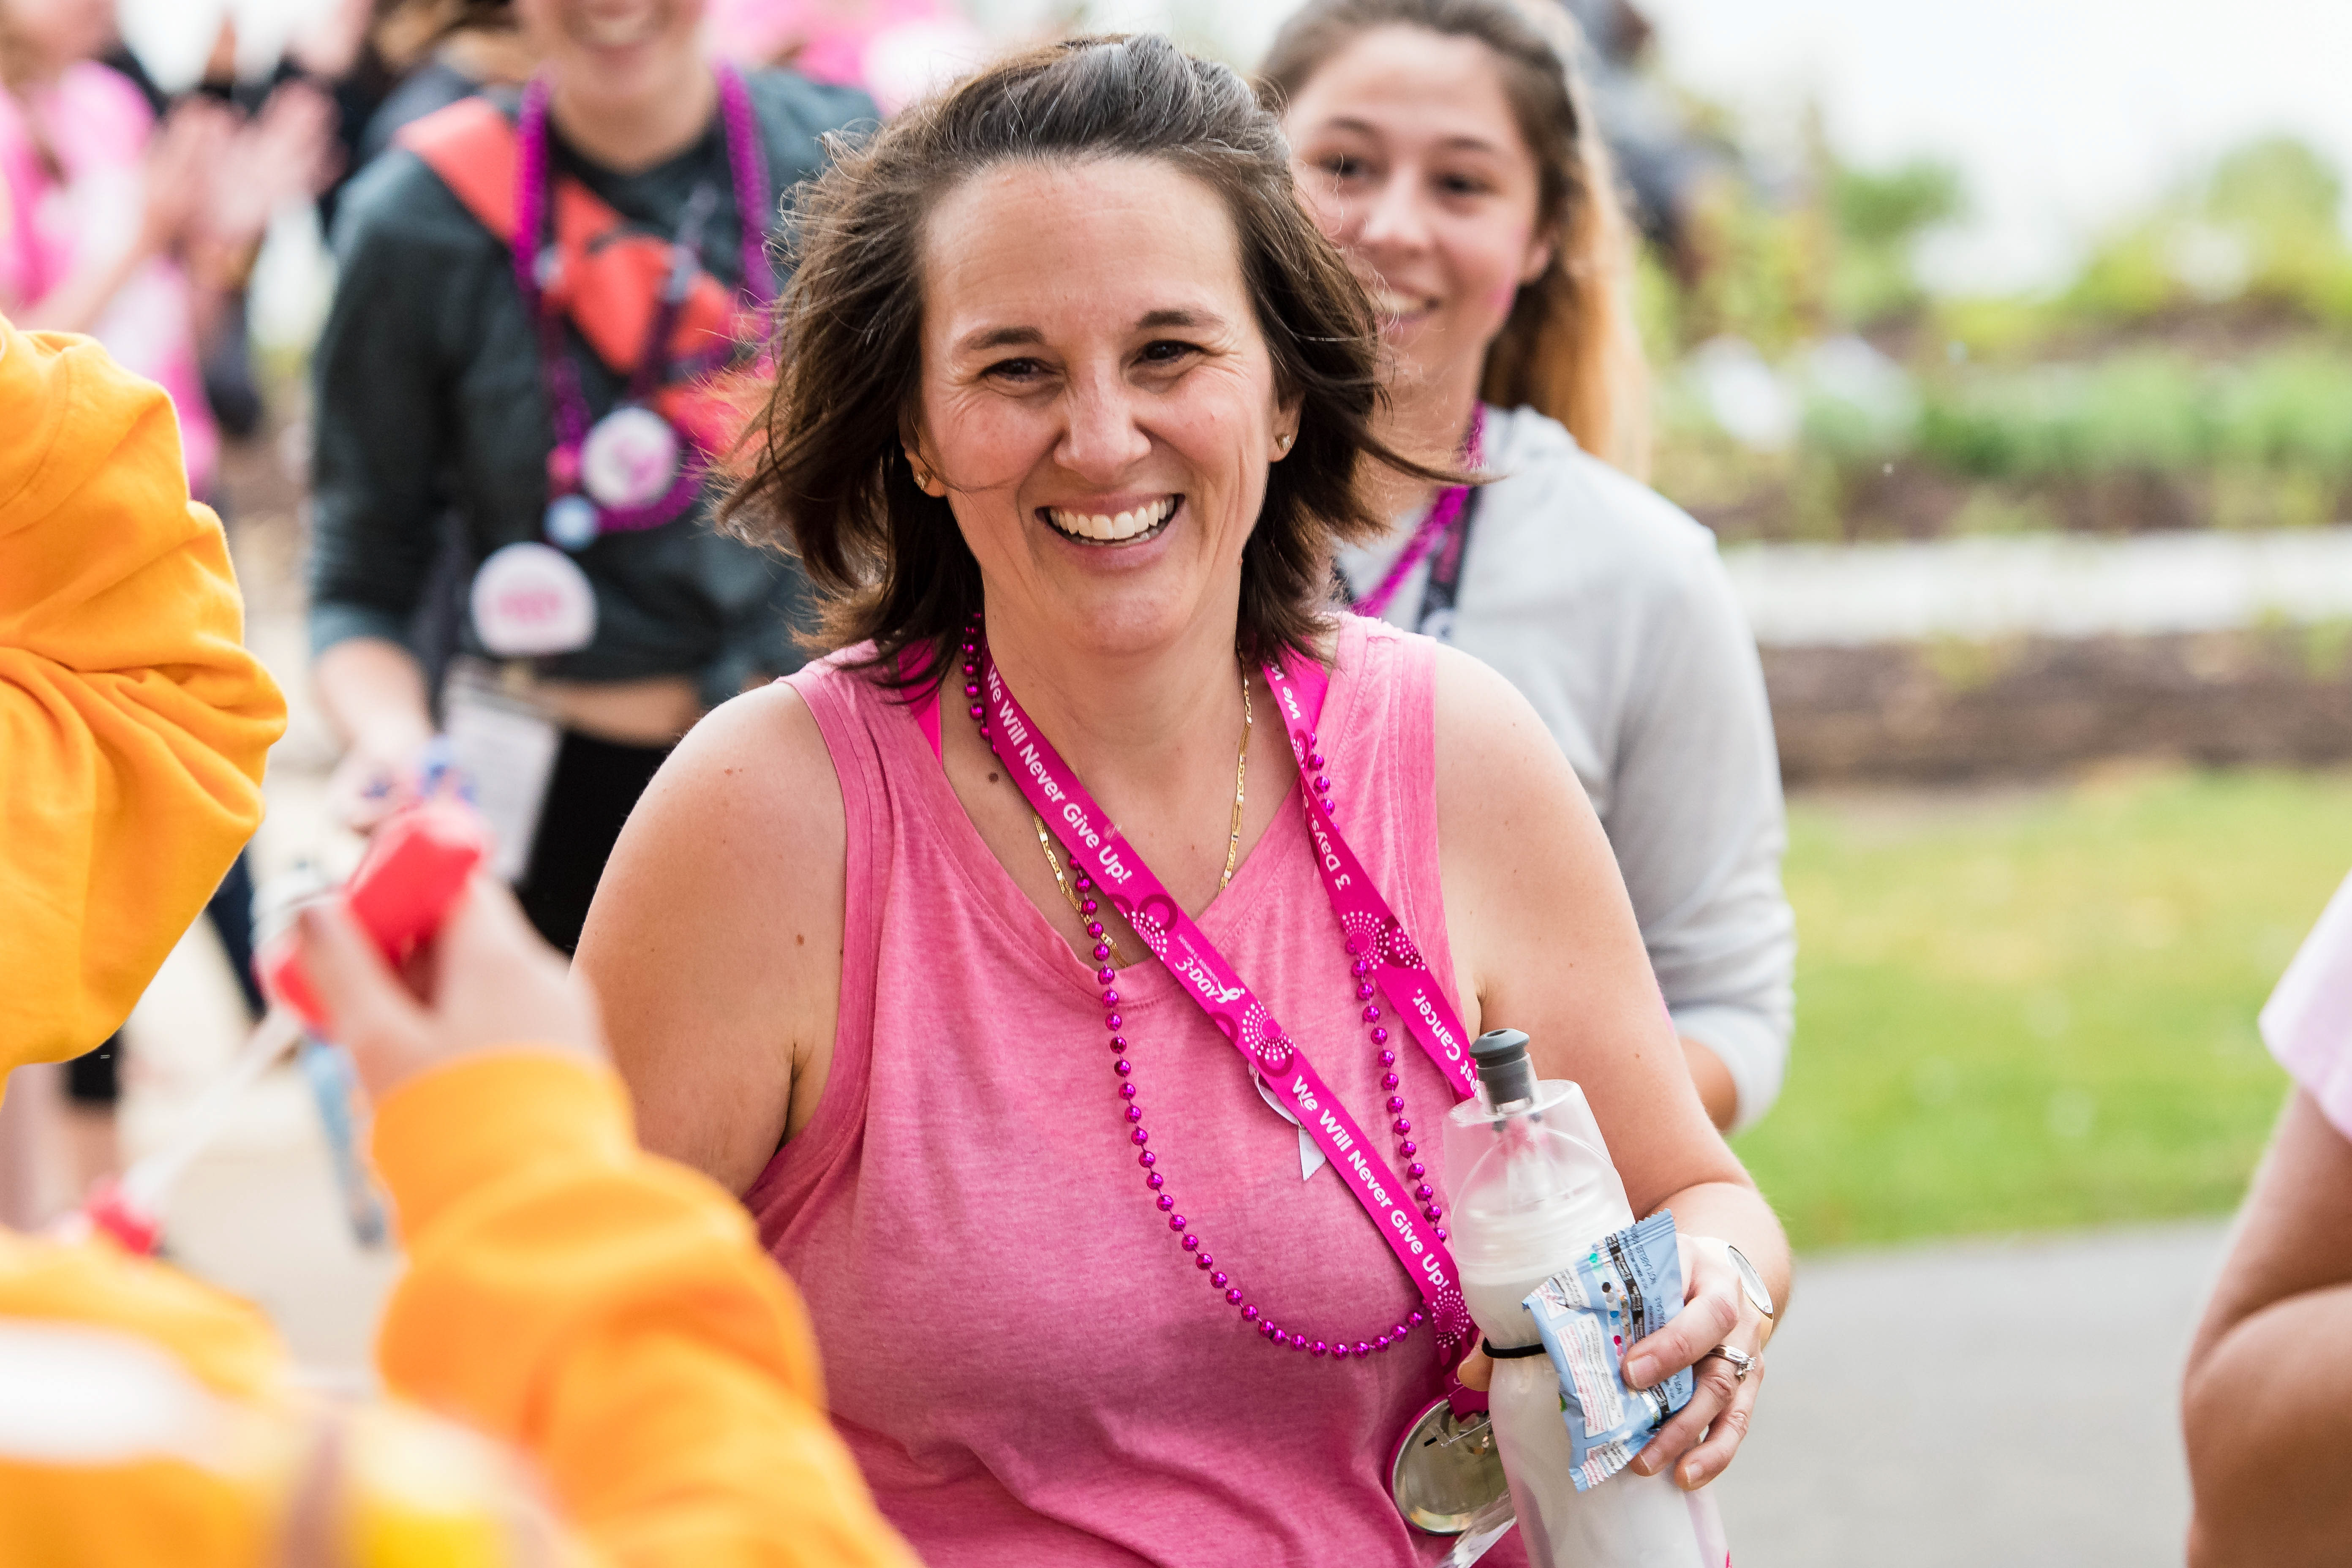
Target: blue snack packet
x,y
1624,1289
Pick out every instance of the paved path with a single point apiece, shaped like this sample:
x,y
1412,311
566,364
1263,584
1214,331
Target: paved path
x,y
2061,586
1978,1405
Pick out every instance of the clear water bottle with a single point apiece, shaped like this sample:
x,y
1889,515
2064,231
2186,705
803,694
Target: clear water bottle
x,y
1529,1187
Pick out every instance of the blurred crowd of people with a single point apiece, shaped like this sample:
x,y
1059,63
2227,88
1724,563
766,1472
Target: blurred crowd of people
x,y
543,560
135,212
554,296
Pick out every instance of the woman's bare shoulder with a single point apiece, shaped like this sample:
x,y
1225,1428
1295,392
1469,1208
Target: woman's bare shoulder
x,y
1518,846
1492,747
1545,936
749,794
753,754
714,942
748,804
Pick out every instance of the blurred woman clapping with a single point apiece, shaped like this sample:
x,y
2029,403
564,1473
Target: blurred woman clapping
x,y
102,200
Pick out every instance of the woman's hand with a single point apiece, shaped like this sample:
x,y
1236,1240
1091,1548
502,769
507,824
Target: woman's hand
x,y
1716,1311
381,774
287,153
181,159
373,691
484,982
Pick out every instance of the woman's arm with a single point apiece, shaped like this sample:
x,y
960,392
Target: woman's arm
x,y
1545,941
373,690
77,302
380,424
2267,1403
1696,823
715,942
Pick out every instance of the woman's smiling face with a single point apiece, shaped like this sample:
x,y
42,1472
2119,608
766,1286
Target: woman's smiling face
x,y
614,47
1097,402
1407,152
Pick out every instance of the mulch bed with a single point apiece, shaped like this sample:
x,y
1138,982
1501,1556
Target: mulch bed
x,y
2038,707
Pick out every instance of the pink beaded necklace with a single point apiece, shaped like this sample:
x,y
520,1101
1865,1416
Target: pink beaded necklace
x,y
1382,958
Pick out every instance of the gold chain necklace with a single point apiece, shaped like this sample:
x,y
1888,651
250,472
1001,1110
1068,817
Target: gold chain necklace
x,y
1233,840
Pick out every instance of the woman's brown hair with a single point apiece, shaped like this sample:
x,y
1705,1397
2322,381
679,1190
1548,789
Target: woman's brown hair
x,y
1569,348
824,470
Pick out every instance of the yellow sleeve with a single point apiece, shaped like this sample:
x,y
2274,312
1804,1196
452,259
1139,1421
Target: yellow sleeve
x,y
109,1452
226,1343
612,1314
132,725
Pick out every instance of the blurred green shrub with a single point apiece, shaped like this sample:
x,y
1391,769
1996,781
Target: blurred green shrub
x,y
2151,411
1766,260
2198,370
2262,227
1879,217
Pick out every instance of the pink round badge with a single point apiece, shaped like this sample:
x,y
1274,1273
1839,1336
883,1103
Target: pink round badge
x,y
629,458
532,599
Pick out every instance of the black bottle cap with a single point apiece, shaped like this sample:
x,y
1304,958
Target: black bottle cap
x,y
1504,1069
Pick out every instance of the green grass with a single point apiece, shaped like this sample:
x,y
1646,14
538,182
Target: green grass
x,y
2037,1010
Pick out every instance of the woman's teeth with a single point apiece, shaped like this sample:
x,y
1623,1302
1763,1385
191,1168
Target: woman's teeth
x,y
618,31
1391,304
1115,528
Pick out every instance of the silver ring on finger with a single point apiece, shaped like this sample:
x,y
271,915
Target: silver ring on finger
x,y
1740,1362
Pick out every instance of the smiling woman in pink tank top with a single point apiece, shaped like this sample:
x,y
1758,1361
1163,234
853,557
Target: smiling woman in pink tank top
x,y
1072,969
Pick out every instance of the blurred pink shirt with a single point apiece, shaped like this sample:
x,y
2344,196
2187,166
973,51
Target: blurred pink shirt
x,y
2307,1023
98,126
898,50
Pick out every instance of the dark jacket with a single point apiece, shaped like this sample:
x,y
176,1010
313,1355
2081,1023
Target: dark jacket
x,y
428,399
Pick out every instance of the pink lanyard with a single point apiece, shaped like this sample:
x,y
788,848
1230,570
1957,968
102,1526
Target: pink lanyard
x,y
1440,520
1398,967
1374,933
747,165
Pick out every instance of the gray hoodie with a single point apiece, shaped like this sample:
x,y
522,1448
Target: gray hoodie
x,y
1606,605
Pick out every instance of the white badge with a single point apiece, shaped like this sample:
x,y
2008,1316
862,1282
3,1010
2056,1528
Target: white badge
x,y
1310,1154
532,599
506,748
629,458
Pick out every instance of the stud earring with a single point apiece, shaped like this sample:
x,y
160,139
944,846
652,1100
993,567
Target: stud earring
x,y
1282,442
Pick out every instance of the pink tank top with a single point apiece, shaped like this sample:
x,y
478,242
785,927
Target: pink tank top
x,y
1028,1368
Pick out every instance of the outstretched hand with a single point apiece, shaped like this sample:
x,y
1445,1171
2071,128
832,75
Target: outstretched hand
x,y
485,981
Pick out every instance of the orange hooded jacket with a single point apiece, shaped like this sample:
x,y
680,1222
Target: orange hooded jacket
x,y
618,1372
133,723
608,1316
